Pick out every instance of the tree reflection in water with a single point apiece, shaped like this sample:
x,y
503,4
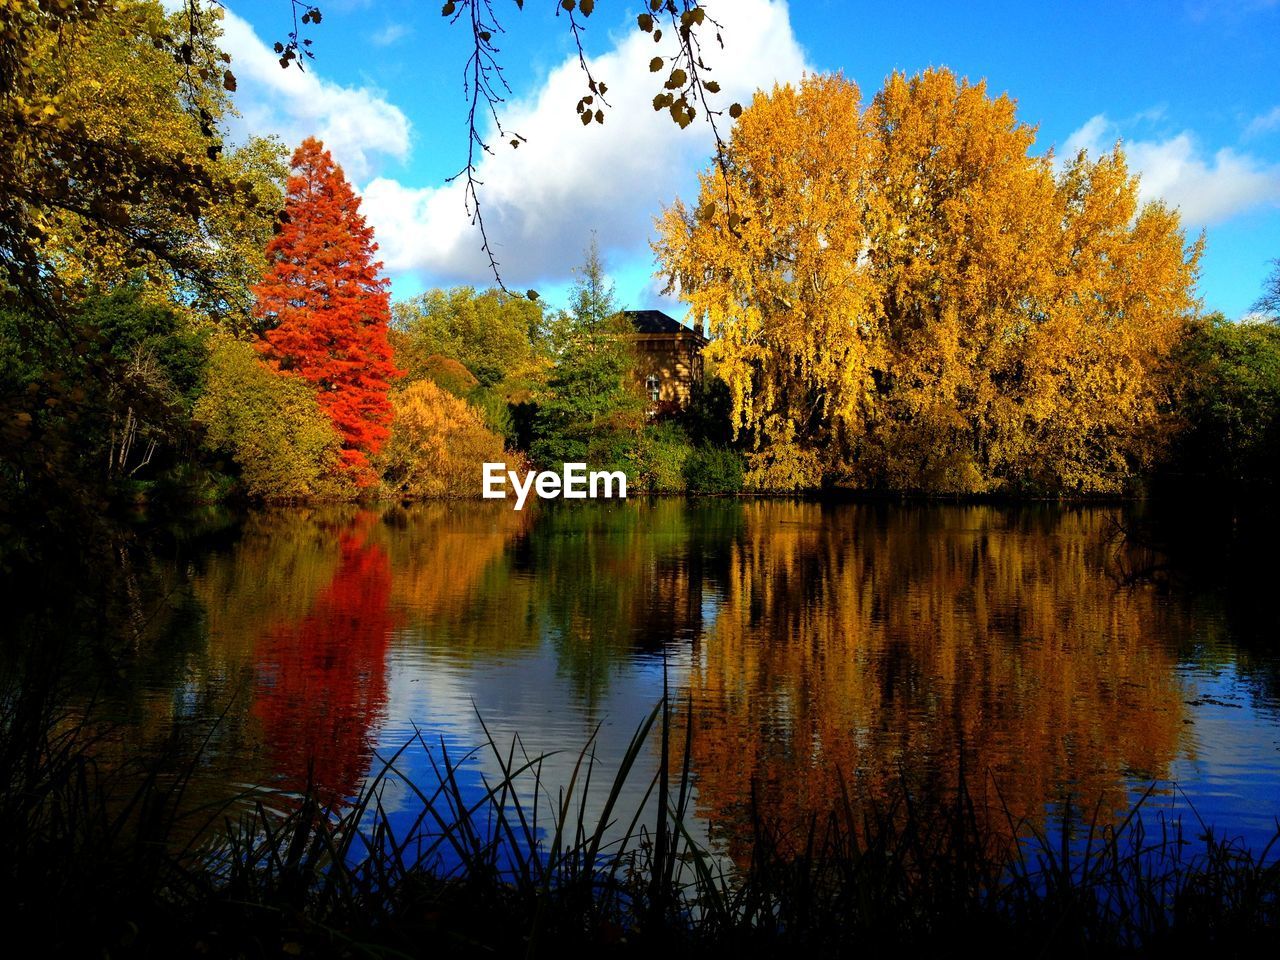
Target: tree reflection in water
x,y
320,682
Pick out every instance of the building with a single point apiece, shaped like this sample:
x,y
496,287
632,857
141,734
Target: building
x,y
669,358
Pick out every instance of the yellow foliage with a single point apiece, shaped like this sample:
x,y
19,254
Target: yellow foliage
x,y
438,443
270,424
907,294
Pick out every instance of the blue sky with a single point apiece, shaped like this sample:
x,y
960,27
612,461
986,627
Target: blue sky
x,y
1190,87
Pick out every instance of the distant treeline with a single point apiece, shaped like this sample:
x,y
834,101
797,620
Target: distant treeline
x,y
901,296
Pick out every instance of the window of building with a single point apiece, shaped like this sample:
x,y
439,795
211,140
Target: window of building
x,y
653,386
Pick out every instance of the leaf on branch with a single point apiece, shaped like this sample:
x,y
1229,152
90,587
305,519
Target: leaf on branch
x,y
448,8
735,111
229,81
644,22
655,64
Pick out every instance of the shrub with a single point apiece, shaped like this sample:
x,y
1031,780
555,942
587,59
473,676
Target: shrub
x,y
1229,402
438,443
713,470
270,424
664,451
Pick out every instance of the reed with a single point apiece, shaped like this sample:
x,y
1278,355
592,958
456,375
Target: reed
x,y
118,863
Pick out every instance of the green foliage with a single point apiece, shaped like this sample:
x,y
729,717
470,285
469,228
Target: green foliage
x,y
714,470
664,452
270,424
708,416
103,399
493,333
1230,401
591,410
133,330
487,348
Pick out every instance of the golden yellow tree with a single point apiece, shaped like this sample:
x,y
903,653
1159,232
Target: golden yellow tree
x,y
438,444
904,296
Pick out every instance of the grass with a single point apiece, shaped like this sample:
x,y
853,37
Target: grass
x,y
117,863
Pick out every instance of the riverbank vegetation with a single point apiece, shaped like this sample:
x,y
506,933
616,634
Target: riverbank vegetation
x,y
923,304
515,869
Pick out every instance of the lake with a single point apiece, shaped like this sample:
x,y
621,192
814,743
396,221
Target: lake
x,y
1050,655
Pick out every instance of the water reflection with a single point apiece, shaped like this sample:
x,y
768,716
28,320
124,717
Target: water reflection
x,y
813,642
877,645
320,681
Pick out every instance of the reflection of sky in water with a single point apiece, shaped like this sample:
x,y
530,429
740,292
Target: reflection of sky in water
x,y
1228,769
808,638
1225,772
525,701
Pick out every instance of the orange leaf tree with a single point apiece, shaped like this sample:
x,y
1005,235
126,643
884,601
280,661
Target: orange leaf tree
x,y
326,308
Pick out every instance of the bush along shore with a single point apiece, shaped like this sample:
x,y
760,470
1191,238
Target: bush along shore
x,y
119,863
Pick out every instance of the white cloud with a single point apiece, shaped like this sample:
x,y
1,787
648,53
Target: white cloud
x,y
1206,188
389,34
357,124
1266,123
540,201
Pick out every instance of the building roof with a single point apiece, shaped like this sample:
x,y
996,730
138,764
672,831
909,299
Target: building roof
x,y
655,321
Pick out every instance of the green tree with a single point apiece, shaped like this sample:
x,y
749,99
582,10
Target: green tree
x,y
1229,403
112,173
493,333
269,425
85,432
592,409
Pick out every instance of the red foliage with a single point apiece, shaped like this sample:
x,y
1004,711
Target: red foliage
x,y
321,686
326,307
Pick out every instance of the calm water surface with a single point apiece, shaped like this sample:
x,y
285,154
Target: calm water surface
x,y
1063,653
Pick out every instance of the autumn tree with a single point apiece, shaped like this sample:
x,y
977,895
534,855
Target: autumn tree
x,y
903,295
197,243
269,425
106,135
326,307
438,443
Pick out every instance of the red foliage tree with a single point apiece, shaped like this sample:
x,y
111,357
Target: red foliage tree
x,y
326,308
321,686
